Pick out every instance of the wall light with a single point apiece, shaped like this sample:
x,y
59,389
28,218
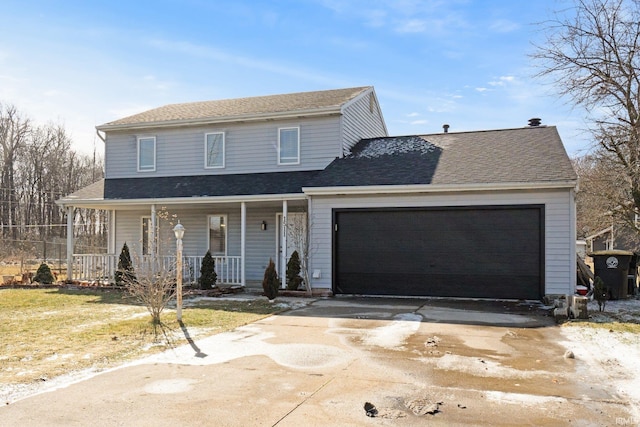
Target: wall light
x,y
263,226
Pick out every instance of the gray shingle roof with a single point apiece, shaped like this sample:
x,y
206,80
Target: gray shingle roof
x,y
532,155
524,155
195,186
302,102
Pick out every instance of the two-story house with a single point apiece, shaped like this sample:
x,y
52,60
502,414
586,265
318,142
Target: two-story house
x,y
469,214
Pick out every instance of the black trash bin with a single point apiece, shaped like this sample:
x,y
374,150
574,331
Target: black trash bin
x,y
613,268
632,278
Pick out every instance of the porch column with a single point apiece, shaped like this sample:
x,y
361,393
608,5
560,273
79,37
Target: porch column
x,y
70,211
153,249
283,256
243,241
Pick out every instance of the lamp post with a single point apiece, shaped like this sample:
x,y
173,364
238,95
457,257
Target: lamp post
x,y
179,232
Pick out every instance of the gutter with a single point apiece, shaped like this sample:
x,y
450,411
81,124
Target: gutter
x,y
431,188
229,119
181,200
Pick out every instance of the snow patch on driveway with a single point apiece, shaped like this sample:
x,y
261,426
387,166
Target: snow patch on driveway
x,y
394,335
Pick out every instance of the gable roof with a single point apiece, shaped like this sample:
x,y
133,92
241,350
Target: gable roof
x,y
523,158
520,157
258,107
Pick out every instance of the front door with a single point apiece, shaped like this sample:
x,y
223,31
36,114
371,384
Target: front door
x,y
295,240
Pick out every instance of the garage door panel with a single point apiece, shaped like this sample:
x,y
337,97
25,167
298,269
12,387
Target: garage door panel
x,y
465,252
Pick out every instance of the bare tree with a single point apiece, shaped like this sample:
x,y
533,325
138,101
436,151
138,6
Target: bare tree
x,y
592,53
153,285
598,194
298,226
154,282
37,167
14,131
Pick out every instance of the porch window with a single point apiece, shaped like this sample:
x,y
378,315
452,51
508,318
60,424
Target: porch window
x,y
147,154
218,235
214,150
146,235
288,146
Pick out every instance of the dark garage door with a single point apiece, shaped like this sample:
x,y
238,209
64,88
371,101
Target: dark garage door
x,y
477,252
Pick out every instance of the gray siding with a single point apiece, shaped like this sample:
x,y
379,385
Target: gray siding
x,y
249,148
261,245
559,229
360,122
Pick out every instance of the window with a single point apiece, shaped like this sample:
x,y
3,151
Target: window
x,y
147,154
218,235
288,146
146,235
214,150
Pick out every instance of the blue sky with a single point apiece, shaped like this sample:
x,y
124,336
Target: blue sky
x,y
461,62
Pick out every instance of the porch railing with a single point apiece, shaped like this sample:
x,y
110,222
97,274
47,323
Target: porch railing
x,y
102,267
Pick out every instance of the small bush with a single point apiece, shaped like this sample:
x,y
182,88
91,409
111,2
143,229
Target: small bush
x,y
44,275
208,275
125,273
293,272
270,282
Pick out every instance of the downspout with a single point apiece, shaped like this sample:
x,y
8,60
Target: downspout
x,y
100,136
243,242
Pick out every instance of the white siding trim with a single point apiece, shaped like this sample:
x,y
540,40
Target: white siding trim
x,y
433,188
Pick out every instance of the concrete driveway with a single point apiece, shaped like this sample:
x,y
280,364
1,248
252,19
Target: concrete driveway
x,y
413,360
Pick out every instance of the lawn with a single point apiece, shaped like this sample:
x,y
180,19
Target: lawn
x,y
45,333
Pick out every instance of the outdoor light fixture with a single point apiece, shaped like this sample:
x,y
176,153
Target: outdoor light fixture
x,y
263,226
179,232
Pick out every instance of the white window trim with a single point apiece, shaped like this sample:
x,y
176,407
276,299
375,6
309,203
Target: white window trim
x,y
138,154
142,219
226,233
280,162
224,148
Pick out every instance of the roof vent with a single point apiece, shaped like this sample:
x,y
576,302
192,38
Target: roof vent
x,y
446,128
535,122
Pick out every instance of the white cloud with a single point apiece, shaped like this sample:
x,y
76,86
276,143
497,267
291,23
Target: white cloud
x,y
414,114
481,89
419,122
503,26
412,26
502,81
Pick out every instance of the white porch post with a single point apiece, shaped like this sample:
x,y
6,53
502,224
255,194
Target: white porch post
x,y
70,211
243,241
283,256
153,249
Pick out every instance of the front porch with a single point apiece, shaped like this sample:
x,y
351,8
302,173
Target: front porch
x,y
241,235
101,268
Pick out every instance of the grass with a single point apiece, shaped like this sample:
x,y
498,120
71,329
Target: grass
x,y
50,332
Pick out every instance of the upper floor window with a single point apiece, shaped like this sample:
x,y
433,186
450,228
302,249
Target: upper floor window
x,y
214,150
147,154
288,146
